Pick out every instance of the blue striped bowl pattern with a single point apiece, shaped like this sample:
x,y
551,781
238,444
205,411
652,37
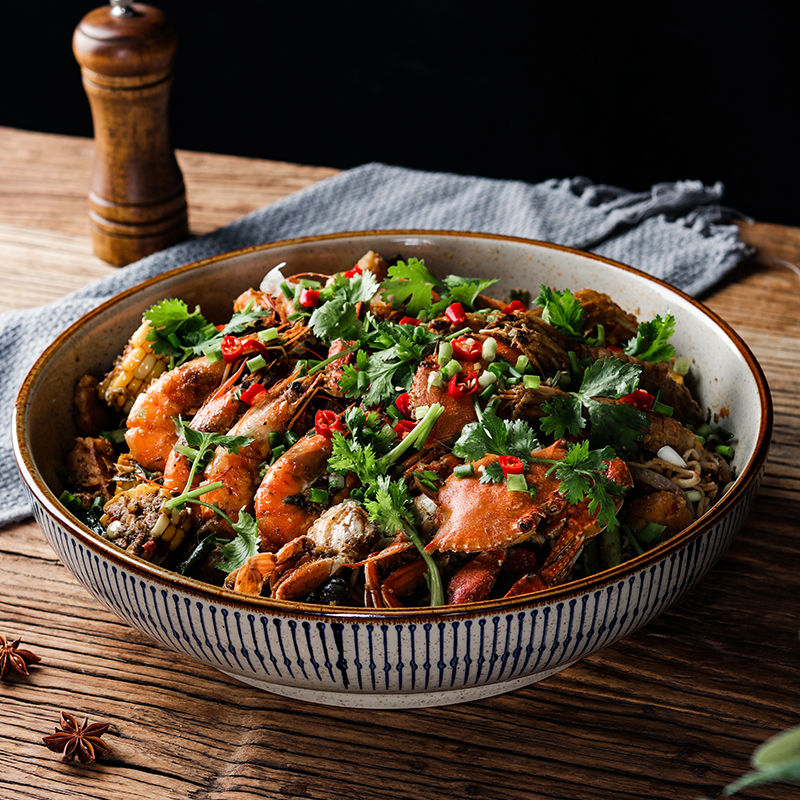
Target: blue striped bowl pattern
x,y
384,658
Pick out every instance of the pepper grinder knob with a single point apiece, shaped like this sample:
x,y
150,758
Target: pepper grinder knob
x,y
137,198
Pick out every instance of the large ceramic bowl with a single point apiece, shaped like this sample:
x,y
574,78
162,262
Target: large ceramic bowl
x,y
408,657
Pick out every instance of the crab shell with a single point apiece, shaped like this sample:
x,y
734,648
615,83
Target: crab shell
x,y
474,516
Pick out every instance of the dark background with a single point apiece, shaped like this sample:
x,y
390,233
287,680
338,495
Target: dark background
x,y
659,92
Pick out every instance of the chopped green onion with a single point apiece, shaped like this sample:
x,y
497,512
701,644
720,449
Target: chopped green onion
x,y
393,412
487,392
512,381
274,439
318,496
464,471
487,378
434,380
663,408
499,367
701,439
450,368
724,450
516,483
651,533
256,363
531,381
704,430
267,335
291,437
694,495
419,412
681,365
522,364
278,451
445,353
287,290
601,335
573,362
489,349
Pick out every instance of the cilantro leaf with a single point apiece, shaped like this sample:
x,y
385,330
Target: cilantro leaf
x,y
582,475
174,330
610,377
348,455
410,283
609,422
390,506
562,311
492,434
563,417
236,551
336,319
492,473
465,290
651,340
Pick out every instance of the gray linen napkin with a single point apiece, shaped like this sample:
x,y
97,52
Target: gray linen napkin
x,y
675,231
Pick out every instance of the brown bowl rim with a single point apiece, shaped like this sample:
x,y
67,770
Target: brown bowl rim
x,y
211,593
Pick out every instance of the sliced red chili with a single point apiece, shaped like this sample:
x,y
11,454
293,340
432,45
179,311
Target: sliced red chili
x,y
254,346
466,348
326,422
403,404
511,465
231,348
462,385
408,321
250,394
404,427
352,272
514,305
309,298
615,348
220,327
455,313
639,399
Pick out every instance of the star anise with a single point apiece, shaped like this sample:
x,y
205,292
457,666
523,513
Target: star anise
x,y
82,740
14,659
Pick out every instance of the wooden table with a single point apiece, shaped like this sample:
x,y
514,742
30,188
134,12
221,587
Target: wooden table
x,y
673,711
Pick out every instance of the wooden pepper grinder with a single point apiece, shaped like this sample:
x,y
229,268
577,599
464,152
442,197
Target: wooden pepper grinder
x,y
137,200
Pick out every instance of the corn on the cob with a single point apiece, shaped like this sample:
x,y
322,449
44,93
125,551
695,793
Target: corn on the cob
x,y
133,371
137,521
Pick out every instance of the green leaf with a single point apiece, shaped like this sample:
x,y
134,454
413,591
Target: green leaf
x,y
562,311
492,473
615,424
465,290
786,771
651,340
391,505
492,434
611,377
235,552
410,283
782,747
563,416
174,330
336,319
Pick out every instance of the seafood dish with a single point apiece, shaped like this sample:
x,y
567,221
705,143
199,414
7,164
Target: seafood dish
x,y
382,437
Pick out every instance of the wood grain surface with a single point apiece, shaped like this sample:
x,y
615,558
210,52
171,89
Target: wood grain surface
x,y
673,711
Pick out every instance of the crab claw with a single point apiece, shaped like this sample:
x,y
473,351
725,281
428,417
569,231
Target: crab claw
x,y
302,580
475,579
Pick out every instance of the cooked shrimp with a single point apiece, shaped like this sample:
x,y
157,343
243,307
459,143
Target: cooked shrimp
x,y
151,431
281,510
216,415
272,412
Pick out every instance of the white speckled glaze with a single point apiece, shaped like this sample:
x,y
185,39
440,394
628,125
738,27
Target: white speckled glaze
x,y
407,657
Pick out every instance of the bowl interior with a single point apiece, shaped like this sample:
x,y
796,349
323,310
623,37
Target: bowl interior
x,y
724,380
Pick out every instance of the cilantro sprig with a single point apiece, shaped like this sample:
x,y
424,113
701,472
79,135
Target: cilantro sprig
x,y
387,500
388,357
582,475
336,316
492,434
562,311
175,331
651,342
610,422
411,285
